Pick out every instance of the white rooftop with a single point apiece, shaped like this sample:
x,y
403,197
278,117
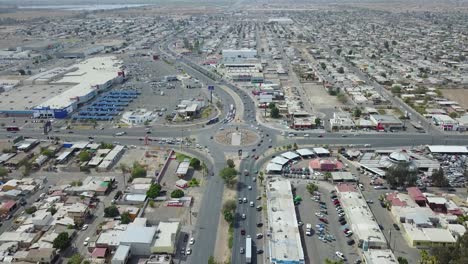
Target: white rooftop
x,y
305,152
361,220
273,167
279,160
165,243
91,72
290,155
321,151
285,241
448,149
379,256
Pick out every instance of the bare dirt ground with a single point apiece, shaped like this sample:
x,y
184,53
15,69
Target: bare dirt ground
x,y
457,95
319,98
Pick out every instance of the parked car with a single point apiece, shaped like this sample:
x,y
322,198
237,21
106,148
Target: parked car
x,y
396,227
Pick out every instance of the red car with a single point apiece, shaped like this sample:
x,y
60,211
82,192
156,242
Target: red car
x,y
242,232
323,220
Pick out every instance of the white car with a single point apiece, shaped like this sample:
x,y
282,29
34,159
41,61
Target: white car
x,y
244,216
84,227
252,204
340,255
86,241
192,241
189,251
306,135
254,179
250,187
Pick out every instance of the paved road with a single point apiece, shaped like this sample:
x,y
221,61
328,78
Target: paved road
x,y
205,232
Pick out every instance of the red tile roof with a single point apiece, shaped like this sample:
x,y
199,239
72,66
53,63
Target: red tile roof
x,y
393,198
8,205
416,194
99,253
346,187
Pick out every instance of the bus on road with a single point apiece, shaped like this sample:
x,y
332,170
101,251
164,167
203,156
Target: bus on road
x,y
248,249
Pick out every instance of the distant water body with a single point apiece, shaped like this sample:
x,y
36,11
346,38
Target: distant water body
x,y
83,7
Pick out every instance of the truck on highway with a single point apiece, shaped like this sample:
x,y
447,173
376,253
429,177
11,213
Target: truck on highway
x,y
248,249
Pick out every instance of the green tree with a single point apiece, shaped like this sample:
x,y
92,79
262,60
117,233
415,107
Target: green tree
x,y
426,258
329,261
274,113
52,210
31,210
396,89
323,65
387,47
230,163
84,156
47,152
340,70
295,146
453,115
75,259
342,98
138,171
438,178
195,164
271,105
146,122
211,260
229,209
111,211
318,122
327,175
400,175
261,177
357,112
338,52
402,260
177,193
3,171
311,188
229,176
125,218
229,205
153,191
62,241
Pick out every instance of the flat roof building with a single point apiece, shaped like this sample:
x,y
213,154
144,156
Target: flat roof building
x,y
167,237
361,220
90,77
285,242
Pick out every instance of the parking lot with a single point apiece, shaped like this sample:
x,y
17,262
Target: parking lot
x,y
334,239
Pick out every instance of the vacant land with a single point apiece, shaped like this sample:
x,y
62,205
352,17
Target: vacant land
x,y
457,95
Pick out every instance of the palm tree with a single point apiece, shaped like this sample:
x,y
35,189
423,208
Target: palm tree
x,y
261,177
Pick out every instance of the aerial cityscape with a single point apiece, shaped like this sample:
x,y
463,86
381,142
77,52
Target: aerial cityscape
x,y
234,131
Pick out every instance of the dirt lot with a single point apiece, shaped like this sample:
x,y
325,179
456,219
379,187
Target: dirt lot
x,y
457,95
152,158
318,97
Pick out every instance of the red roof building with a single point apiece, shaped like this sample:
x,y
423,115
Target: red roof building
x,y
393,198
325,165
99,253
417,196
